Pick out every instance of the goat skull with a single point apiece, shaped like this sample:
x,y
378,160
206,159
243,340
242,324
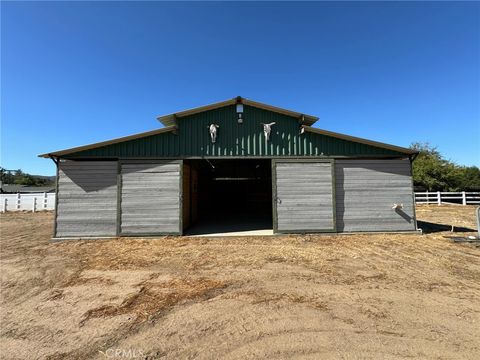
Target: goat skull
x,y
267,129
213,132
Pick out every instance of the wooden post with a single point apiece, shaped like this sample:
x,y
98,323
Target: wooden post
x,y
4,207
45,200
18,201
428,198
464,198
34,206
478,221
439,198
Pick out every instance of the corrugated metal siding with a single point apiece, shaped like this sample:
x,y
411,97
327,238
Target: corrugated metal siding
x,y
87,199
304,196
366,191
150,198
247,139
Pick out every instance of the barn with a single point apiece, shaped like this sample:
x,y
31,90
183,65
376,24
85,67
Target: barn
x,y
235,165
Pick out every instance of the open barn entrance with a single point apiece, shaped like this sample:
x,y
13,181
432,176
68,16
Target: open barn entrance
x,y
227,197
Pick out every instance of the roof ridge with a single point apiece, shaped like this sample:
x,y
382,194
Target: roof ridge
x,y
171,119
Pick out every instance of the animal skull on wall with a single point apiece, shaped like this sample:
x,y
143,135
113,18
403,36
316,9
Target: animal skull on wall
x,y
397,206
267,129
213,132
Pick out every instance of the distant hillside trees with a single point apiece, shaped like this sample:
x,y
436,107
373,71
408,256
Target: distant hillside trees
x,y
434,173
20,178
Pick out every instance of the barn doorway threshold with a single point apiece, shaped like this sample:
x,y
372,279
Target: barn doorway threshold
x,y
231,227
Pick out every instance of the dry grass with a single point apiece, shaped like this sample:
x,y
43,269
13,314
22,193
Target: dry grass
x,y
152,298
312,296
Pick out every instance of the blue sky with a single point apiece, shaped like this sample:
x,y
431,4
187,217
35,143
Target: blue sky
x,y
74,73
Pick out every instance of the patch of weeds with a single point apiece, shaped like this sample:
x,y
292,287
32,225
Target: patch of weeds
x,y
56,294
262,297
276,259
155,297
76,279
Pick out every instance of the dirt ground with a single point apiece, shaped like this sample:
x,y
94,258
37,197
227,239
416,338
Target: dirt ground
x,y
304,297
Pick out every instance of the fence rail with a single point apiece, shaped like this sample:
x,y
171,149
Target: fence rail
x,y
46,201
446,197
30,202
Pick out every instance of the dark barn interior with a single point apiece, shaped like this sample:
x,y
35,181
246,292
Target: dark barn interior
x,y
227,195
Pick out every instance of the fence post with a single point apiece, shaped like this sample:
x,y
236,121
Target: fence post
x,y
478,221
18,201
4,207
45,199
34,204
464,198
439,198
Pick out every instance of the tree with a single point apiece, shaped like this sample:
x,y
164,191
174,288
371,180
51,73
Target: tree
x,y
434,173
20,178
469,179
429,169
6,176
26,179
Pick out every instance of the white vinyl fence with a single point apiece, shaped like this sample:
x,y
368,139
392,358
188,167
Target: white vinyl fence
x,y
442,197
30,202
46,201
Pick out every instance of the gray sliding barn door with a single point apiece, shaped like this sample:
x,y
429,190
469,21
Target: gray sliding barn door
x,y
86,199
303,196
366,191
150,198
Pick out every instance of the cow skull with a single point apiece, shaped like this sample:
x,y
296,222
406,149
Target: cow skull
x,y
213,132
267,129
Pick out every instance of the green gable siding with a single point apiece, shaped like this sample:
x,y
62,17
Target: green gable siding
x,y
233,139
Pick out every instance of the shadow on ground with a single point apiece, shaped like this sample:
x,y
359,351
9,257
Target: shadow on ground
x,y
429,227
